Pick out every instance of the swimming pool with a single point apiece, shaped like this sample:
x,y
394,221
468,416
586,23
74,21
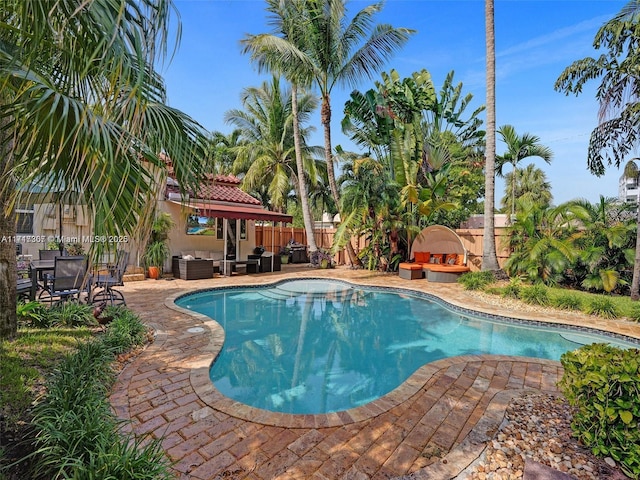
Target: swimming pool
x,y
319,346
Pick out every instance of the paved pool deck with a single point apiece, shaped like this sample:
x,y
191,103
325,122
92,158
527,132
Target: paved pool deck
x,y
431,427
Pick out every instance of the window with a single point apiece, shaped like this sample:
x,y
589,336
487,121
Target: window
x,y
25,219
198,225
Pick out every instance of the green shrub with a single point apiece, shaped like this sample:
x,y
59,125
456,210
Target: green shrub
x,y
603,383
34,314
476,280
77,435
512,290
634,314
567,301
71,314
536,294
602,306
125,331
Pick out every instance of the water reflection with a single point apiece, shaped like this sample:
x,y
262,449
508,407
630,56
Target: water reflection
x,y
311,349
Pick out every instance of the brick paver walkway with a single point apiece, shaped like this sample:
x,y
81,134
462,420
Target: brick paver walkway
x,y
431,427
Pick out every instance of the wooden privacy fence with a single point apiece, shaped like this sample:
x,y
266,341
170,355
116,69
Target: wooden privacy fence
x,y
274,238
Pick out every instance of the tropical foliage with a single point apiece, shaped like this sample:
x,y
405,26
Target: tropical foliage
x,y
519,147
424,144
530,184
317,44
577,244
618,95
265,153
82,105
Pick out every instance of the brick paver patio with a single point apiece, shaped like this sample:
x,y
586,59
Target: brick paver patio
x,y
431,427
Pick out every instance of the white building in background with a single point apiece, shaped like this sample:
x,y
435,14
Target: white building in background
x,y
628,190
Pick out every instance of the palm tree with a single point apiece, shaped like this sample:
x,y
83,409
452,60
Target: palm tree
x,y
518,148
82,104
604,244
489,255
631,171
266,152
618,95
221,152
321,47
339,52
541,242
530,183
619,90
369,200
278,52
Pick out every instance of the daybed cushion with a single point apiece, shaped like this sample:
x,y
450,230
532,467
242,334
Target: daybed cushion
x,y
437,258
422,257
448,268
410,266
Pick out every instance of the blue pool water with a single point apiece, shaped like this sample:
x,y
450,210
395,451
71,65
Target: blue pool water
x,y
317,346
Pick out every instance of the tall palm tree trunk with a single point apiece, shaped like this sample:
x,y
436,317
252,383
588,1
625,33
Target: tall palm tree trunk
x,y
8,267
325,118
489,256
635,282
302,184
513,191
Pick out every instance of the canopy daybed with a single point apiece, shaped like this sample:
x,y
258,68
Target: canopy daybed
x,y
439,252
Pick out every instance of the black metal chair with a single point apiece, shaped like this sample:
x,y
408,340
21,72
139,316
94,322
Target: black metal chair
x,y
46,255
23,289
107,277
68,279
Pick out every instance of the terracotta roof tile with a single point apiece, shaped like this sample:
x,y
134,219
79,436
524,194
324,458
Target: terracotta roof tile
x,y
225,193
221,188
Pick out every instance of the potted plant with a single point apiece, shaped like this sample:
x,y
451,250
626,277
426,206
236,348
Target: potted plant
x,y
155,255
157,251
285,254
75,249
322,259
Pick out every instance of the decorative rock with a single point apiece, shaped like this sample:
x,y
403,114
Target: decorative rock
x,y
538,427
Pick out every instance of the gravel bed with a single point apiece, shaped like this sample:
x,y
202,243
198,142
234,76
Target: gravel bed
x,y
537,427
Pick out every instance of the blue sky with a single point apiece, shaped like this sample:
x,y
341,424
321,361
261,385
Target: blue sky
x,y
535,41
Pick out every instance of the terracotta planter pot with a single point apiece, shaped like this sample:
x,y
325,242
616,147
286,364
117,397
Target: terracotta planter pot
x,y
154,272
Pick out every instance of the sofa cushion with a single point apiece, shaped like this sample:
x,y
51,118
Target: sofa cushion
x,y
188,253
451,258
216,255
422,257
206,254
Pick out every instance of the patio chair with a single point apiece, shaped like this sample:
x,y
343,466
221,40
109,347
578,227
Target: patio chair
x,y
67,281
111,276
46,255
23,289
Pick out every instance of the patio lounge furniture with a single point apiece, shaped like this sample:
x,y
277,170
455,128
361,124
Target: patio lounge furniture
x,y
68,279
410,271
195,269
441,254
107,277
